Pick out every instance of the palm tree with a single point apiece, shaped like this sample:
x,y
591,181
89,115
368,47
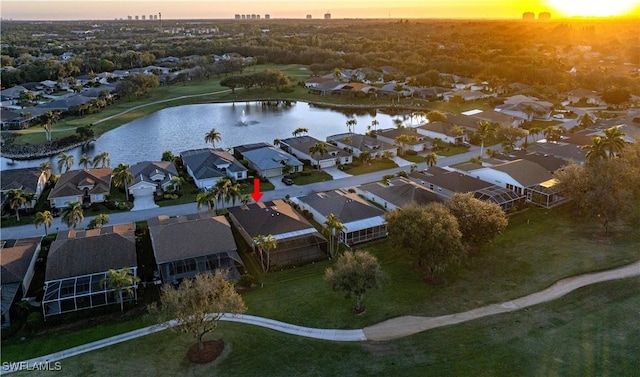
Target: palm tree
x,y
333,226
49,119
535,131
486,129
299,131
213,137
208,198
85,161
72,215
167,156
613,141
403,139
122,177
552,134
245,199
226,190
98,221
431,159
596,151
351,124
17,199
318,149
365,157
65,162
177,182
277,142
43,218
375,124
265,244
529,110
121,281
102,159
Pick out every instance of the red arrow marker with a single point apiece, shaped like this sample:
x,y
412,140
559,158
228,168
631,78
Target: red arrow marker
x,y
256,194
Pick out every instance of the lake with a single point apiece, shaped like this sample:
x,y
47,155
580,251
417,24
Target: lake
x,y
183,127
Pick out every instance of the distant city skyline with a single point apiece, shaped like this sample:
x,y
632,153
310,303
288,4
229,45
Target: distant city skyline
x,y
216,9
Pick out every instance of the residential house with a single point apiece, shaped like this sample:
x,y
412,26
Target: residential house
x,y
502,119
447,183
10,96
433,93
444,131
525,107
466,95
17,263
417,142
270,161
353,89
314,82
239,150
523,177
568,152
397,193
548,162
30,180
185,246
86,186
78,264
65,103
324,88
356,144
588,96
299,147
151,178
206,166
362,221
297,240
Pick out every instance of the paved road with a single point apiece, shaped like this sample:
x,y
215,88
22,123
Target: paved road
x,y
185,209
391,329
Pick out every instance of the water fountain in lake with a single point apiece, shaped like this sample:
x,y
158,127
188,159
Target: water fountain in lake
x,y
244,120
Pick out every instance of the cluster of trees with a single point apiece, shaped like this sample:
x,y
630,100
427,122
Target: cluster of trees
x,y
138,84
440,234
270,78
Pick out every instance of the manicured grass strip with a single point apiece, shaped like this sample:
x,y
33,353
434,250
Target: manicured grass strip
x,y
373,166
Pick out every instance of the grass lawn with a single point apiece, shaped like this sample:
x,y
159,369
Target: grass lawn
x,y
313,177
538,248
415,159
593,331
373,165
452,151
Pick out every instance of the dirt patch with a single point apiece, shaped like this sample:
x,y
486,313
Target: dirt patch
x,y
210,351
360,311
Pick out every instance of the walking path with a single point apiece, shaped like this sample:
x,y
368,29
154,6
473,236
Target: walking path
x,y
391,329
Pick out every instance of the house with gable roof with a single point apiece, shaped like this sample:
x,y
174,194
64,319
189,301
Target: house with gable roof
x,y
206,166
362,221
299,147
151,177
356,144
85,186
270,161
397,193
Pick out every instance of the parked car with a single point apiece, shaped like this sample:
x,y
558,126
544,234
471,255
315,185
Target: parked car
x,y
287,181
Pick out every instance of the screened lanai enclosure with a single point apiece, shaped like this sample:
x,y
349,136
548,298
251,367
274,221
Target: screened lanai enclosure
x,y
82,292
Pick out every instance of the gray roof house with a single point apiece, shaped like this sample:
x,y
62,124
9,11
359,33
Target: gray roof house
x,y
185,246
299,147
30,180
79,261
206,166
297,240
362,221
17,264
389,136
85,186
150,178
397,193
356,144
268,162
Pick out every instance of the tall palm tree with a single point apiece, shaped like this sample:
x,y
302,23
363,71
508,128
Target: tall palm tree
x,y
403,140
208,198
318,149
213,137
529,110
45,167
351,124
431,159
265,244
333,226
121,281
299,131
102,159
596,151
277,142
72,215
65,162
49,118
43,218
98,221
226,190
613,141
365,157
375,124
85,161
177,182
535,131
122,178
552,134
17,199
486,129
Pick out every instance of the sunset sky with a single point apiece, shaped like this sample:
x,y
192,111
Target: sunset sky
x,y
189,9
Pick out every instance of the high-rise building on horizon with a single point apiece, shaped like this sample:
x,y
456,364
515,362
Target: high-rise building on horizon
x,y
309,17
544,16
267,16
327,16
528,16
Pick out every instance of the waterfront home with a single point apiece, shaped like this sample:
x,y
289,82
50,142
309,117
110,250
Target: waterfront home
x,y
206,166
152,177
85,186
271,162
17,263
356,144
30,180
300,147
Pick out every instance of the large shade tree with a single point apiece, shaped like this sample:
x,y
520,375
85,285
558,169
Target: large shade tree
x,y
196,306
480,222
354,273
429,232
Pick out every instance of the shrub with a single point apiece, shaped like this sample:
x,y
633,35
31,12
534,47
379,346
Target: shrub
x,y
411,152
246,281
34,321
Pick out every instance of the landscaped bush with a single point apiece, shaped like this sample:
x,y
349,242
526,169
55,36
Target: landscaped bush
x,y
246,281
34,321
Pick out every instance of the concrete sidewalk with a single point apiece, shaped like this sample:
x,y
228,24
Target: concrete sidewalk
x,y
391,329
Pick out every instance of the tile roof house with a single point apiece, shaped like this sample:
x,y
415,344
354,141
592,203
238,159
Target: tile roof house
x,y
299,147
362,221
79,261
397,193
297,240
206,166
448,182
356,144
568,152
185,246
269,161
17,264
84,186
